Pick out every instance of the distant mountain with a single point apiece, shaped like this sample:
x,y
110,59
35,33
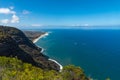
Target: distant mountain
x,y
14,43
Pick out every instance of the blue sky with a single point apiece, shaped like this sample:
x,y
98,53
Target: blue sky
x,y
59,12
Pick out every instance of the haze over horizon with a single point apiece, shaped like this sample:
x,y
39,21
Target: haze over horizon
x,y
38,13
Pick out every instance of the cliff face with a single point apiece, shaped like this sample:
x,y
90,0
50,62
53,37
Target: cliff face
x,y
13,43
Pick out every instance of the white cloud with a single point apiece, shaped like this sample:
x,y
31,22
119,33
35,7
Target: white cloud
x,y
86,24
11,7
25,12
15,19
12,13
6,11
36,25
5,21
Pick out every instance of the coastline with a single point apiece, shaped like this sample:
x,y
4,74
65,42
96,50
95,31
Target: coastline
x,y
42,36
61,67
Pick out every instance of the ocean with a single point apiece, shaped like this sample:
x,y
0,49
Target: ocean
x,y
96,51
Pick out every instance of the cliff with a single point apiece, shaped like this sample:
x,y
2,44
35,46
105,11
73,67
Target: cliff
x,y
14,43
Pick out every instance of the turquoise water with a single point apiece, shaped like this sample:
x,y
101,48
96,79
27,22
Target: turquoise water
x,y
96,51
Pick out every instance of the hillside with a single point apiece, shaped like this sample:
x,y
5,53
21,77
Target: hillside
x,y
14,69
13,43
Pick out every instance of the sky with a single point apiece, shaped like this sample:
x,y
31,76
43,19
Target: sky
x,y
38,13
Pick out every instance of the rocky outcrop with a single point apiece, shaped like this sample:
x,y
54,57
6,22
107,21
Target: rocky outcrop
x,y
13,43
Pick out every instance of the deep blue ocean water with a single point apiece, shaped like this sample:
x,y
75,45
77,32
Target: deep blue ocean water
x,y
96,51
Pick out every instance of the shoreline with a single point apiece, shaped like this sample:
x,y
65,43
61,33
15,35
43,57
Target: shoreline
x,y
42,36
61,67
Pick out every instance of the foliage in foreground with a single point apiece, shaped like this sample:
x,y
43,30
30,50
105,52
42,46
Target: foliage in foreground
x,y
14,69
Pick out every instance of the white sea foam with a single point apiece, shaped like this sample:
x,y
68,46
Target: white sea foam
x,y
41,48
42,36
61,67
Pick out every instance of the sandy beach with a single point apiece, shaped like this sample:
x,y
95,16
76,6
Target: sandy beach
x,y
41,36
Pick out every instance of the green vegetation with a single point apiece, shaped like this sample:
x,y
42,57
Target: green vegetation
x,y
108,79
14,69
